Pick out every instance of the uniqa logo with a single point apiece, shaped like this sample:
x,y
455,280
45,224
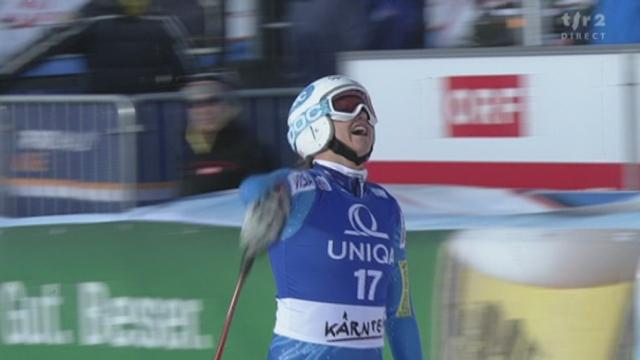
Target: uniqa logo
x,y
359,227
363,251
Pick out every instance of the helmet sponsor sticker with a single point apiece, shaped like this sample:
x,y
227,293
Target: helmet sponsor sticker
x,y
302,97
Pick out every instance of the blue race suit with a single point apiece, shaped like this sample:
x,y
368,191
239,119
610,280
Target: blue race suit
x,y
340,268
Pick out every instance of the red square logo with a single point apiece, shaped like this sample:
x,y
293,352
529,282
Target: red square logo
x,y
484,106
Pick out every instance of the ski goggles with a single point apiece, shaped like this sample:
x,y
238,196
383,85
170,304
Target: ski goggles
x,y
346,104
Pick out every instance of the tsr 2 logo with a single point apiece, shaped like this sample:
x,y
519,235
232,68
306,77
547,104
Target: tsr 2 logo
x,y
583,27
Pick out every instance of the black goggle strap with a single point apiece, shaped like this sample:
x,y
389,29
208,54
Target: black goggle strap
x,y
342,149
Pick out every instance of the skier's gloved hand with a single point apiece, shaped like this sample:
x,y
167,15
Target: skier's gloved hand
x,y
264,220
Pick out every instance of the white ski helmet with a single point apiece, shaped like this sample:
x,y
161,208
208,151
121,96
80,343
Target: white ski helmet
x,y
312,114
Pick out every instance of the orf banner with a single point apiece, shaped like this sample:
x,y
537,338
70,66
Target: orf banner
x,y
484,106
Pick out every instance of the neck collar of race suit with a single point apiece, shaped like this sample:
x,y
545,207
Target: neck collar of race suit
x,y
351,180
344,170
342,149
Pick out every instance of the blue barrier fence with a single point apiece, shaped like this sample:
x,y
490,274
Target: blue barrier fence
x,y
5,146
92,154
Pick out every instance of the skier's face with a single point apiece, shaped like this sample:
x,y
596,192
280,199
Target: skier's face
x,y
358,134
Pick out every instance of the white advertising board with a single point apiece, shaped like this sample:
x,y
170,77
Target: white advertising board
x,y
572,108
551,109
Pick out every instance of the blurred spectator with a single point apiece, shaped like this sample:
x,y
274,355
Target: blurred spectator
x,y
132,53
618,21
320,29
190,12
219,153
396,24
499,23
451,22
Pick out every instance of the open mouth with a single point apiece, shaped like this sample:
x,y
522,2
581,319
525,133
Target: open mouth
x,y
359,130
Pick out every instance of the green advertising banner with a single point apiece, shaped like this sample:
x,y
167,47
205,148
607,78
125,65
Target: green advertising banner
x,y
142,290
153,290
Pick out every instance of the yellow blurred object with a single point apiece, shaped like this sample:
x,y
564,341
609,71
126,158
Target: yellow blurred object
x,y
506,319
134,7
